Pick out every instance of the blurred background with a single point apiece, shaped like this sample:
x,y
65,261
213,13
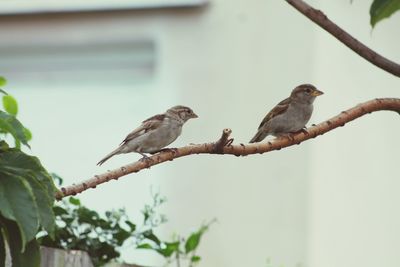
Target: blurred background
x,y
84,80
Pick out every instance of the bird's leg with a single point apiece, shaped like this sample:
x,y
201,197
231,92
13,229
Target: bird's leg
x,y
229,142
173,150
304,131
288,136
144,155
145,158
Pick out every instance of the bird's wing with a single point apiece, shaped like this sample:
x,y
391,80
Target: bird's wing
x,y
277,110
147,125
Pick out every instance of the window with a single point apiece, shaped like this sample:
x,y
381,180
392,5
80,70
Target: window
x,y
77,63
39,6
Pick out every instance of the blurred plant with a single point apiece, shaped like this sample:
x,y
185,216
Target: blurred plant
x,y
381,9
26,207
9,124
177,250
26,191
80,228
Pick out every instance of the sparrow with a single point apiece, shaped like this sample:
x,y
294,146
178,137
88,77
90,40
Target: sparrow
x,y
290,115
155,133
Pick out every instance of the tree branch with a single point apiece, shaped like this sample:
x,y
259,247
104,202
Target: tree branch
x,y
224,146
322,20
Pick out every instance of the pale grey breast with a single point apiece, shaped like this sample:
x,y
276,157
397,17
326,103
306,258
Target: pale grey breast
x,y
293,120
155,140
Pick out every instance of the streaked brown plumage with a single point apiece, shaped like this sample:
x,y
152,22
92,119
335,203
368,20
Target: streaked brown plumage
x,y
290,115
155,133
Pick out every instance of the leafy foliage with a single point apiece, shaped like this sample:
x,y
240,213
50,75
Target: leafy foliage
x,y
27,206
9,124
381,9
194,239
177,250
28,255
2,81
180,249
26,191
10,104
78,227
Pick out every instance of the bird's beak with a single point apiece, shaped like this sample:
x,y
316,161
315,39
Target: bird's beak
x,y
317,93
194,115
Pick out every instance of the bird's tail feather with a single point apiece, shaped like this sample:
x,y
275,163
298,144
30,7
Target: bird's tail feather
x,y
115,152
260,135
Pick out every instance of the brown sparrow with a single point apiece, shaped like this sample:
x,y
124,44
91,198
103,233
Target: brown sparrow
x,y
290,115
155,133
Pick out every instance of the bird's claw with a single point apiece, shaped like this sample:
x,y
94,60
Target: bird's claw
x,y
290,137
229,142
304,131
172,150
145,159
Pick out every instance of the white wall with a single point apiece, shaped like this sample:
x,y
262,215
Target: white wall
x,y
354,190
323,203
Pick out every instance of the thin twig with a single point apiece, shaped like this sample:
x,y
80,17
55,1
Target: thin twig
x,y
392,104
367,53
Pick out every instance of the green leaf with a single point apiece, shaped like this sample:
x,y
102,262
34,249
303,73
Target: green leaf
x,y
10,104
151,236
74,201
17,144
3,81
44,204
169,249
3,146
28,134
192,242
131,225
57,178
194,239
58,211
2,248
145,246
11,125
86,215
121,236
30,257
18,204
381,9
26,193
195,258
21,164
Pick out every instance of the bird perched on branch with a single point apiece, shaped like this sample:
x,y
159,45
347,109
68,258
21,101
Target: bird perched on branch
x,y
290,115
155,133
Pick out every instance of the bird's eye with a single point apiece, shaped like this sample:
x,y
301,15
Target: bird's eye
x,y
308,90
